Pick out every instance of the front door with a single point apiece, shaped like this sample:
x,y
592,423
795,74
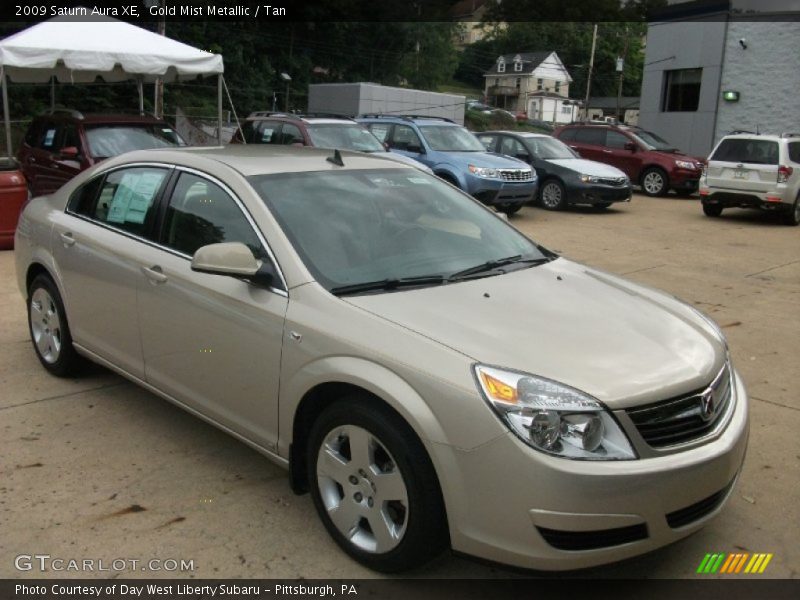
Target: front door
x,y
619,156
212,342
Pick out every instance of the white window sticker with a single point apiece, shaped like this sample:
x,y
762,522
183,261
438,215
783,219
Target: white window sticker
x,y
49,136
133,197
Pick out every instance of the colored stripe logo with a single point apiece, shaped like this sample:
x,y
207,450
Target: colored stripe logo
x,y
735,563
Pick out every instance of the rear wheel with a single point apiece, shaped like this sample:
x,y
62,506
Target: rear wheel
x,y
552,195
510,209
654,182
47,323
374,486
792,216
712,210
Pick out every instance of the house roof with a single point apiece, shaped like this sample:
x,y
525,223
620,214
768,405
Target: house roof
x,y
611,102
466,8
530,60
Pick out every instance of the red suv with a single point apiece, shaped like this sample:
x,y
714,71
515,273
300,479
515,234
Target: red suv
x,y
644,157
62,143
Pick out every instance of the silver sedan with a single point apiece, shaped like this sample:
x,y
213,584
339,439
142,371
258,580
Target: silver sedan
x,y
434,378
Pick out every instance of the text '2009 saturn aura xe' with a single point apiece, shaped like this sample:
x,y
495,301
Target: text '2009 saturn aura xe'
x,y
433,377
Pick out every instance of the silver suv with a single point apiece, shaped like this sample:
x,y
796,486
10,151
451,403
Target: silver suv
x,y
748,170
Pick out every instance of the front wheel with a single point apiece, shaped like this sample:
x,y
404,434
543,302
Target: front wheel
x,y
510,209
654,182
374,486
712,210
49,330
552,195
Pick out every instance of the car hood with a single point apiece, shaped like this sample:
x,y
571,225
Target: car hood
x,y
587,167
622,343
677,154
485,159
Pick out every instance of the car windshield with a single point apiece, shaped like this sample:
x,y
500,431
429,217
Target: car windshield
x,y
450,138
548,148
106,141
650,140
344,136
357,226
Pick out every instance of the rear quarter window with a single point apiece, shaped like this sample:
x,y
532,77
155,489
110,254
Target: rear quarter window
x,y
794,152
760,152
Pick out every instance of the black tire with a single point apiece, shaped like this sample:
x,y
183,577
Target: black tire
x,y
425,534
44,302
511,209
655,182
602,205
553,195
792,216
712,210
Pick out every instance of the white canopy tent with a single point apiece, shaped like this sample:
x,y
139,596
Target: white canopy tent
x,y
78,50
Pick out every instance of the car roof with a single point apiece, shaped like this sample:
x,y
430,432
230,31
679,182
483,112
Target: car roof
x,y
756,136
257,159
524,134
99,118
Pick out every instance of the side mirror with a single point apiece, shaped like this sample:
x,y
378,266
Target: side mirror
x,y
69,152
631,146
233,259
386,146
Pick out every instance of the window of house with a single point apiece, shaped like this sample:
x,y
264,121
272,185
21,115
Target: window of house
x,y
501,66
681,90
518,66
518,82
558,86
540,84
497,81
566,108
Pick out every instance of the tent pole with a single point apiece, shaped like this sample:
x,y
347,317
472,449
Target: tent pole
x,y
219,108
52,93
6,118
140,88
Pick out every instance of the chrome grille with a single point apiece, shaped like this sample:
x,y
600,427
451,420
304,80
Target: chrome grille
x,y
681,420
516,174
615,181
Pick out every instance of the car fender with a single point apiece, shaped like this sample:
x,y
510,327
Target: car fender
x,y
447,170
370,376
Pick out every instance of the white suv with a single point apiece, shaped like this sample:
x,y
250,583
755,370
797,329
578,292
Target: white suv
x,y
748,170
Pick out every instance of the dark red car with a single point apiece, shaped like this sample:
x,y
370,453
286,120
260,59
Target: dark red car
x,y
644,157
13,194
62,143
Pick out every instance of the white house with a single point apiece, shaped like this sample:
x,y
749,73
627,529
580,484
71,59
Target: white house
x,y
536,83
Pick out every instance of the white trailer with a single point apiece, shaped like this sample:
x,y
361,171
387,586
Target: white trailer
x,y
353,99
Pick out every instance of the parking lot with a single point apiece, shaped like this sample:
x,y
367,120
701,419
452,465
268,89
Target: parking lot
x,y
98,468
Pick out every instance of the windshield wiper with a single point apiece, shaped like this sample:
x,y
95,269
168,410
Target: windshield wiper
x,y
491,265
388,284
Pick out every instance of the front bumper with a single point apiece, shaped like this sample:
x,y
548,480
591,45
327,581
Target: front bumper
x,y
593,193
505,499
685,180
496,192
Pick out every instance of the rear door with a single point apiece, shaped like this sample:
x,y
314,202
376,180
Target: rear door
x,y
747,164
46,176
590,142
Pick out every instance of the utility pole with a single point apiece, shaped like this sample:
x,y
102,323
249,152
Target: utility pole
x,y
589,76
621,69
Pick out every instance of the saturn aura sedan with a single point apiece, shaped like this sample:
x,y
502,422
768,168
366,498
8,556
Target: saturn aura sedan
x,y
564,177
434,378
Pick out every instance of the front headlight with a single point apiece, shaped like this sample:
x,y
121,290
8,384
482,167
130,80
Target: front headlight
x,y
685,164
553,417
487,172
589,179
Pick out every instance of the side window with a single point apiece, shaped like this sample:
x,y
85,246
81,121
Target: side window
x,y
70,137
201,213
511,147
380,130
127,196
488,142
47,139
616,140
568,135
595,136
266,133
405,138
82,200
291,134
32,137
794,152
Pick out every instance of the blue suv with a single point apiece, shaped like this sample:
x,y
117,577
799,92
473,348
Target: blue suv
x,y
455,155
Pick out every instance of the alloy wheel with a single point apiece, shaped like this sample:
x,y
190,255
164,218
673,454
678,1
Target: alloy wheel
x,y
551,195
362,489
45,325
653,183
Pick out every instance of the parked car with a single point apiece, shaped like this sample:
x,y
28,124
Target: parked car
x,y
456,155
13,194
62,143
564,177
432,376
318,131
644,157
754,171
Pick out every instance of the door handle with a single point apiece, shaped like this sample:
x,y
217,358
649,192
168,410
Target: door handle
x,y
154,274
67,239
607,151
